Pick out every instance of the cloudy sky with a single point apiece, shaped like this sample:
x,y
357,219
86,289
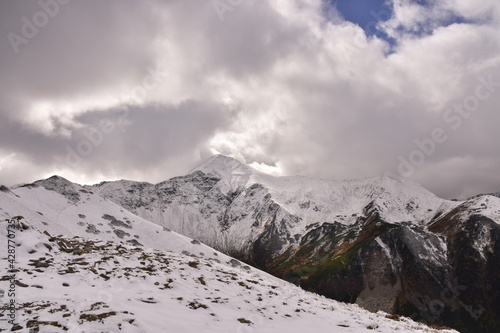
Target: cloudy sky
x,y
146,90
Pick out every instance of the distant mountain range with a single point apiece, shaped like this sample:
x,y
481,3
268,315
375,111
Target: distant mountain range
x,y
385,243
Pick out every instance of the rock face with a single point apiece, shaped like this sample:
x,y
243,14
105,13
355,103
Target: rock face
x,y
442,274
384,243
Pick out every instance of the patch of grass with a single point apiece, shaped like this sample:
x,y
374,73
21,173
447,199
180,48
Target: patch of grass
x,y
193,264
196,305
36,323
98,306
393,317
149,300
244,285
96,317
167,285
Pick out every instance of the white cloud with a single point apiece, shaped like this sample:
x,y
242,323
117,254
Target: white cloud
x,y
285,85
411,17
480,9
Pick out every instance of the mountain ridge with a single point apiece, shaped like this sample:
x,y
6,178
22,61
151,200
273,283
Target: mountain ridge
x,y
384,242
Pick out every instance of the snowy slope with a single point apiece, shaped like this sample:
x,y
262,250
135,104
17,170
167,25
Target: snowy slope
x,y
486,205
111,287
485,209
63,208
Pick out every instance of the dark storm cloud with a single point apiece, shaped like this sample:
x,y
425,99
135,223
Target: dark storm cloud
x,y
121,141
133,137
88,46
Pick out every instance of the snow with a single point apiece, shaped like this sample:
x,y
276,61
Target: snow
x,y
113,287
51,211
397,199
301,202
384,247
233,173
485,205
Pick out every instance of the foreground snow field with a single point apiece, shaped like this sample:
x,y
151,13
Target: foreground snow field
x,y
73,284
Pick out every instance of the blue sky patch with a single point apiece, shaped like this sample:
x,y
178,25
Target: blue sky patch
x,y
366,14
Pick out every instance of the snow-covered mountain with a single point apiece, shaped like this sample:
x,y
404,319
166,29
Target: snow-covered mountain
x,y
228,205
385,243
63,208
85,264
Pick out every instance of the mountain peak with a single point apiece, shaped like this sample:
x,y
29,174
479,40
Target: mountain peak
x,y
233,173
223,166
54,180
221,158
62,186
